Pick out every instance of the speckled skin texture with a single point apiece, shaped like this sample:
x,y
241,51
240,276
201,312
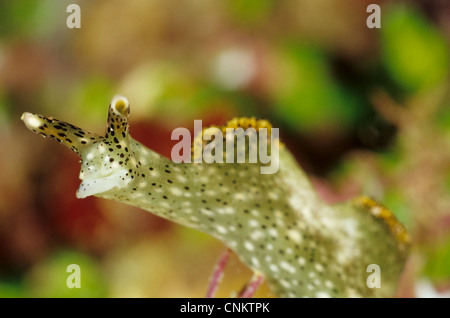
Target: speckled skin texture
x,y
275,223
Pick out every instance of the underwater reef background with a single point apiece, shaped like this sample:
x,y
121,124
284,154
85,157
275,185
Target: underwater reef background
x,y
364,111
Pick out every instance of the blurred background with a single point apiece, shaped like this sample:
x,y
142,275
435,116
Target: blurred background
x,y
363,110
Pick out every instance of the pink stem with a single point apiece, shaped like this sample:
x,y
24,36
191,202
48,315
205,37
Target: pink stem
x,y
217,273
252,286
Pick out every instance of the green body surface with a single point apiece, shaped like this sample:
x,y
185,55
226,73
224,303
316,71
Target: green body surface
x,y
275,223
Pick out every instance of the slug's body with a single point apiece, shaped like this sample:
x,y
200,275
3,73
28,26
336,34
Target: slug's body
x,y
275,223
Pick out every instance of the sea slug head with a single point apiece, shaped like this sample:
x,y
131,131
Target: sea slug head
x,y
105,160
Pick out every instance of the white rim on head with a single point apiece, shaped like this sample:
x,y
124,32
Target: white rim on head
x,y
117,100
